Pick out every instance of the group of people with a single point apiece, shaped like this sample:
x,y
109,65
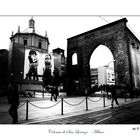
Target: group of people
x,y
111,91
13,99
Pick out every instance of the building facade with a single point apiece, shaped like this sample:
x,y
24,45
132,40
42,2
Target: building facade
x,y
122,43
94,77
27,54
59,60
3,72
102,76
106,76
60,65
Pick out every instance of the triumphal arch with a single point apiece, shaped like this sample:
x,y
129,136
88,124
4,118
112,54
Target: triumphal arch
x,y
124,46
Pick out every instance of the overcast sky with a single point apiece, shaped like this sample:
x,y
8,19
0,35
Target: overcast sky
x,y
60,28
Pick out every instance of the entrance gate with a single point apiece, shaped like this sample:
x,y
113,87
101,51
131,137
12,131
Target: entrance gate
x,y
122,43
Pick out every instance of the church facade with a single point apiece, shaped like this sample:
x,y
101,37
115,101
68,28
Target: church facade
x,y
27,53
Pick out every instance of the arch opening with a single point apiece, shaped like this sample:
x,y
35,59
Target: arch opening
x,y
74,59
101,67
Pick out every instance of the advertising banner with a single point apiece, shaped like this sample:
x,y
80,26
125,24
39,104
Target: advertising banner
x,y
34,64
110,76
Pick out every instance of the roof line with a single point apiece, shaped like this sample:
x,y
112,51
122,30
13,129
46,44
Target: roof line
x,y
101,27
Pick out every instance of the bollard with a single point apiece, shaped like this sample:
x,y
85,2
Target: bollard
x,y
27,103
86,103
103,99
62,106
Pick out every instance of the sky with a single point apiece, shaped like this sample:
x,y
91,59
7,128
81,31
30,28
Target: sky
x,y
102,56
61,27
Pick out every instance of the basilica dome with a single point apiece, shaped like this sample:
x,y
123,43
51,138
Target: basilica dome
x,y
31,30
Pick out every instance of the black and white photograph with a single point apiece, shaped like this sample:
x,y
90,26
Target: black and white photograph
x,y
76,74
89,75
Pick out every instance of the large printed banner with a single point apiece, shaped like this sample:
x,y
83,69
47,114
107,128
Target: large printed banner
x,y
110,76
35,63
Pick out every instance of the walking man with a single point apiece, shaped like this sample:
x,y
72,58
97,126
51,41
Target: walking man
x,y
52,93
114,97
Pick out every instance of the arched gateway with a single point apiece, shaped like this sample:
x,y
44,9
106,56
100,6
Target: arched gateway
x,y
124,46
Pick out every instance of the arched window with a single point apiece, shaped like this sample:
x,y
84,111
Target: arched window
x,y
74,59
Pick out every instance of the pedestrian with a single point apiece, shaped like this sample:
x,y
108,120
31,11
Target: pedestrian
x,y
107,91
55,93
114,96
13,99
52,92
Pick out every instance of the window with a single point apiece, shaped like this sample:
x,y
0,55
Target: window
x,y
39,45
25,42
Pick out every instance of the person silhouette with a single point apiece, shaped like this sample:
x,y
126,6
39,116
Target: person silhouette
x,y
114,97
14,101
